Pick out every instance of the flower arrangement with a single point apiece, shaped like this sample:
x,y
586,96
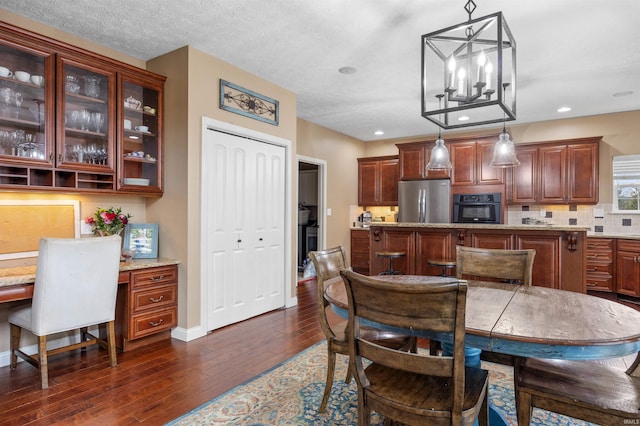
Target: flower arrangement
x,y
108,221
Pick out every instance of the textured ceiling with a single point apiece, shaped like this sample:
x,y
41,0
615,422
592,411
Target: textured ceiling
x,y
569,52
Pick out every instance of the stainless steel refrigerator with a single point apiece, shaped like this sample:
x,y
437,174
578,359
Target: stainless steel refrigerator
x,y
424,201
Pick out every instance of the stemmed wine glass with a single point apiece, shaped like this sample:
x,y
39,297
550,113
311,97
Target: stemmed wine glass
x,y
18,103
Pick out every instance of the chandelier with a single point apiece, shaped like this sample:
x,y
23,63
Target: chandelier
x,y
473,66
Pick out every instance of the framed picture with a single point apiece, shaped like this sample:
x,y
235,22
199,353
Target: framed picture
x,y
239,100
143,238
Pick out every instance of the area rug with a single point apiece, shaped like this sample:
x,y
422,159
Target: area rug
x,y
290,394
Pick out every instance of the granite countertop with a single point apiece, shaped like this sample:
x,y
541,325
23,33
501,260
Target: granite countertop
x,y
27,274
482,226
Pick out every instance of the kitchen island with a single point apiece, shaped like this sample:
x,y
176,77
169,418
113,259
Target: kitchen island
x,y
560,260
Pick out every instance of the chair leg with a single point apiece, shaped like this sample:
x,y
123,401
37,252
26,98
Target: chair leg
x,y
523,408
15,344
42,361
331,367
111,342
483,417
83,337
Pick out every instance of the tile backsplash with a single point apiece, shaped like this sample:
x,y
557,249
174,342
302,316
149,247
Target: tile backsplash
x,y
598,218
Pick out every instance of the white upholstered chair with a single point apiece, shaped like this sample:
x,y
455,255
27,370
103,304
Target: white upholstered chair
x,y
76,285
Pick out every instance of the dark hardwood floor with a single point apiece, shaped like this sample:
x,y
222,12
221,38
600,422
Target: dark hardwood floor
x,y
157,383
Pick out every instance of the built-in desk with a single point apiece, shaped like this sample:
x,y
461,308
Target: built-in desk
x,y
147,301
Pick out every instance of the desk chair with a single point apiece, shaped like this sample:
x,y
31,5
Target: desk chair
x,y
585,390
75,287
328,264
405,387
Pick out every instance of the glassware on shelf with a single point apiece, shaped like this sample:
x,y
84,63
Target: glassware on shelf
x,y
97,118
71,84
92,87
18,100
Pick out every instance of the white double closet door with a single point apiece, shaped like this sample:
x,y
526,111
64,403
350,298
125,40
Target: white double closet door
x,y
243,218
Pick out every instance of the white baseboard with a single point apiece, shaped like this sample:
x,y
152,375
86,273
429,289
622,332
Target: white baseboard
x,y
5,357
187,335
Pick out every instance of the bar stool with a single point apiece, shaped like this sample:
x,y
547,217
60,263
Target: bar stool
x,y
443,263
391,255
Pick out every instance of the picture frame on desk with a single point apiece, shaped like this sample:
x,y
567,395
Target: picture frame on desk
x,y
143,238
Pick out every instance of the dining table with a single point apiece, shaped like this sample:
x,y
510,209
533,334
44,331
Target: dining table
x,y
526,321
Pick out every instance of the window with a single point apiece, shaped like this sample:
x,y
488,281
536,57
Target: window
x,y
626,183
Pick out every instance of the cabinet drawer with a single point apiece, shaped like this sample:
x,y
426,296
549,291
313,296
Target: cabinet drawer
x,y
153,298
599,256
153,322
629,245
599,282
602,268
599,244
154,276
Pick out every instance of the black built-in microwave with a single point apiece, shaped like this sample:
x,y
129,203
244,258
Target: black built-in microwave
x,y
477,208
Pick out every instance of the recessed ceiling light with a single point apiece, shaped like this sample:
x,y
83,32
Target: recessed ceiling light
x,y
378,133
347,70
463,118
564,109
625,93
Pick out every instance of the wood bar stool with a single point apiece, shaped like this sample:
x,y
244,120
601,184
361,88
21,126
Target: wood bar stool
x,y
443,263
391,255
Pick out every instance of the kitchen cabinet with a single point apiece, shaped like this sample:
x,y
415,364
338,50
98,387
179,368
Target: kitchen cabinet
x,y
471,160
433,244
308,187
563,172
627,272
147,308
413,159
360,250
388,239
378,181
600,262
62,122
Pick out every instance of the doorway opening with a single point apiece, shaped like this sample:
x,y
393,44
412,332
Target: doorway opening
x,y
311,212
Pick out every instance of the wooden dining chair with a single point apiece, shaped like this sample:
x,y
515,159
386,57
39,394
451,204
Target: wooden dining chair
x,y
414,389
584,390
328,264
513,266
75,288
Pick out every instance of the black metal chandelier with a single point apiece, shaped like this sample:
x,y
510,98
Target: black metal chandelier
x,y
472,68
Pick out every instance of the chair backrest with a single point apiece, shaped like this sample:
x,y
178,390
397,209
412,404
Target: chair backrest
x,y
512,265
76,283
328,264
438,307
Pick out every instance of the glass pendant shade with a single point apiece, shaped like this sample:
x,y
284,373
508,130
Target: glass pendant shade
x,y
439,159
504,153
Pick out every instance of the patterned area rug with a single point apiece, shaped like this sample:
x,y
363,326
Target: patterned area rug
x,y
290,394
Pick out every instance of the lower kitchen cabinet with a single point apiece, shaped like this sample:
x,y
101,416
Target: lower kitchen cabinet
x,y
147,308
360,247
628,267
600,263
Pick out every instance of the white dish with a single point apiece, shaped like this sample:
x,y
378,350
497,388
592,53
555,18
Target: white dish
x,y
136,181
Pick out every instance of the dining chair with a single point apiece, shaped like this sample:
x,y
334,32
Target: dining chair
x,y
328,264
413,388
513,266
75,288
584,390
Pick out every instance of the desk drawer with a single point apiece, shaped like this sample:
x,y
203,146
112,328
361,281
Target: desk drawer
x,y
153,322
154,276
154,298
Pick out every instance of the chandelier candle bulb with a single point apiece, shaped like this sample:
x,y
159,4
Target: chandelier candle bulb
x,y
461,75
452,72
481,62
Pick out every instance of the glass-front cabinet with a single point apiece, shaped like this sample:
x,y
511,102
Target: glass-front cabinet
x,y
75,121
140,147
26,114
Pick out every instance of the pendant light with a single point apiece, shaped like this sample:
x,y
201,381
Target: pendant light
x,y
504,153
439,159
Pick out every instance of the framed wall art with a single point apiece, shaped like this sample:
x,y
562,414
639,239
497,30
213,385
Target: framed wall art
x,y
143,238
239,100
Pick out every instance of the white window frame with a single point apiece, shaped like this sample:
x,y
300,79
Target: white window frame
x,y
627,168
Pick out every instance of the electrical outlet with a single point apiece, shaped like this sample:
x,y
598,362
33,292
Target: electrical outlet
x,y
329,212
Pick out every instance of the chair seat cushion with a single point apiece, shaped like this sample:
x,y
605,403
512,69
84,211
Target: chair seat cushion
x,y
583,383
21,317
416,393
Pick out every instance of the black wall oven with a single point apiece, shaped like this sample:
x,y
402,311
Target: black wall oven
x,y
477,208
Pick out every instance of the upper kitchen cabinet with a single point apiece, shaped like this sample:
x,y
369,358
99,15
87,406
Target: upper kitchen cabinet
x,y
563,172
63,113
378,181
413,160
471,160
140,138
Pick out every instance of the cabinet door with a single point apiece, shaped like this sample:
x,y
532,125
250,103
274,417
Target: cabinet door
x,y
26,114
546,265
553,175
360,250
522,181
392,240
463,158
388,183
487,240
413,161
583,161
368,181
140,105
627,273
308,187
485,174
438,245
